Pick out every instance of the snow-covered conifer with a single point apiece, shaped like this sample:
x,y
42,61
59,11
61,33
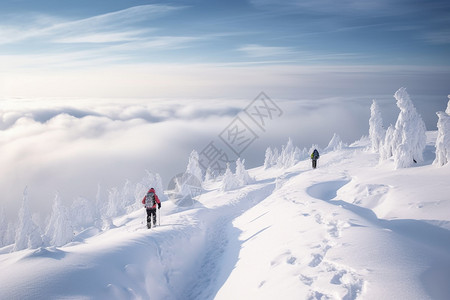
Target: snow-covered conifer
x,y
448,106
275,155
376,130
59,230
83,213
443,137
151,180
28,234
114,203
209,176
334,144
289,155
268,158
229,181
128,200
241,173
3,228
193,166
409,139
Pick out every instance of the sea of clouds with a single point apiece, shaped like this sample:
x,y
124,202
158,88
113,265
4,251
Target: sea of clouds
x,y
71,146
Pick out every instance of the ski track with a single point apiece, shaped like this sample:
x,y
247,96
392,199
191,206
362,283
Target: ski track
x,y
206,281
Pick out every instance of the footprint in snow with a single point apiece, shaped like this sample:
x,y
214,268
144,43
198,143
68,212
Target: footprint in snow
x,y
317,259
286,257
306,279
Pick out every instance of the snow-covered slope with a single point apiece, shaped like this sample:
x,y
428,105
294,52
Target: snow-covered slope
x,y
350,229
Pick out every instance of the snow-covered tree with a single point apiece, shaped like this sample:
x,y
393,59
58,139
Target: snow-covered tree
x,y
127,196
268,158
334,144
376,130
193,166
443,137
209,175
448,106
115,203
271,158
289,155
151,180
229,181
241,173
84,213
28,234
386,146
59,230
3,227
408,140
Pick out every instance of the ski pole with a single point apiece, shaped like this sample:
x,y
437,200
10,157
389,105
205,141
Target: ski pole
x,y
159,219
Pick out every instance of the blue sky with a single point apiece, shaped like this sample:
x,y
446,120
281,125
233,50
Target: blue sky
x,y
58,48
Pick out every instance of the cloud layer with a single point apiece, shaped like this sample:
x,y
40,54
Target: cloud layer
x,y
72,145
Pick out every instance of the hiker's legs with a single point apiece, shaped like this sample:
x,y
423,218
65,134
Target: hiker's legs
x,y
149,213
153,211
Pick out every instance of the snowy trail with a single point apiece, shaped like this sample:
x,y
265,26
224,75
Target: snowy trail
x,y
210,274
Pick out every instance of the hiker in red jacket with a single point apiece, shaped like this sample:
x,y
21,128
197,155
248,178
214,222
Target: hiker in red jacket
x,y
150,200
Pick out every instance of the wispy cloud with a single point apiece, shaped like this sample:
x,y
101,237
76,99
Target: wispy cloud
x,y
254,50
104,37
339,8
113,37
439,37
267,54
114,26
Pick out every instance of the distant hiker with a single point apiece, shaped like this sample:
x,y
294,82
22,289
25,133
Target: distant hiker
x,y
150,200
315,156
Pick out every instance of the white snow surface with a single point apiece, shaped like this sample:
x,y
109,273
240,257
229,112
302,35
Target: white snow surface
x,y
350,229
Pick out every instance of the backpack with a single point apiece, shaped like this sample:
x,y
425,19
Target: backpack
x,y
150,200
315,154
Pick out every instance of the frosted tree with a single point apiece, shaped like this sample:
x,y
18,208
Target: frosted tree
x,y
268,158
59,230
241,173
334,144
408,140
28,234
127,196
151,180
115,207
3,228
410,133
100,207
271,158
209,176
289,155
6,230
386,146
112,209
443,137
229,181
193,166
448,106
84,213
376,130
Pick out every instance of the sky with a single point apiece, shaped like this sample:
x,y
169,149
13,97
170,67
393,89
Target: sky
x,y
96,92
207,48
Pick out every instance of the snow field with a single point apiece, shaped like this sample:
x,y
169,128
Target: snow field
x,y
353,228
